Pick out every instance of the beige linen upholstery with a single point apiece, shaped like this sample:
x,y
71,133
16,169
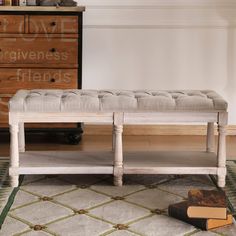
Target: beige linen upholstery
x,y
115,100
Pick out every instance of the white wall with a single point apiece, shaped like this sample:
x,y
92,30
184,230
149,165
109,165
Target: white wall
x,y
161,44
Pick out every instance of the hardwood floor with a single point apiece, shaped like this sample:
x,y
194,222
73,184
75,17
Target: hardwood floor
x,y
96,142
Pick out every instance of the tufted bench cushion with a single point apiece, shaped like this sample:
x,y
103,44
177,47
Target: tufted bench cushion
x,y
115,100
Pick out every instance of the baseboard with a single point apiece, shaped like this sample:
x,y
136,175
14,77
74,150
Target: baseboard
x,y
155,130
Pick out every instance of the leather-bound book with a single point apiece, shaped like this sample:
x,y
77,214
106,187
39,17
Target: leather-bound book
x,y
15,2
207,204
179,211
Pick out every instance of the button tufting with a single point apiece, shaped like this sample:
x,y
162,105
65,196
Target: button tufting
x,y
116,100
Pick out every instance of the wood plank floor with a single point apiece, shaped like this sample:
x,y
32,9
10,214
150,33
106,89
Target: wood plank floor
x,y
96,142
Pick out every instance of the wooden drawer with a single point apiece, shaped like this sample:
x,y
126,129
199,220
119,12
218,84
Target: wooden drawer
x,y
12,24
4,109
12,80
44,51
53,24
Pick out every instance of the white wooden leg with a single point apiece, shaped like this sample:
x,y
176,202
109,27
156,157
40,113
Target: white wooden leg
x,y
221,152
21,137
118,155
118,163
14,155
210,146
113,138
221,181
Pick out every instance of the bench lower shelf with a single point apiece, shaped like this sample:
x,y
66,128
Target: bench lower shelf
x,y
166,162
66,162
153,162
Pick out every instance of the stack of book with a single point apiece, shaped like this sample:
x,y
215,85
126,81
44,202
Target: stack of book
x,y
18,2
204,209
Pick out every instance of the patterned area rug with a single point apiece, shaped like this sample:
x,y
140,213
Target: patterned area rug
x,y
5,190
231,186
90,204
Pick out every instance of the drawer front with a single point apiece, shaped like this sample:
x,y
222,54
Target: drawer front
x,y
42,51
11,24
4,109
53,24
12,80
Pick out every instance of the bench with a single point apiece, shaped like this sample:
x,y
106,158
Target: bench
x,y
118,108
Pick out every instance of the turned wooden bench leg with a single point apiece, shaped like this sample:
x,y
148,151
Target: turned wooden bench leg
x,y
113,138
118,152
221,151
21,137
210,144
14,155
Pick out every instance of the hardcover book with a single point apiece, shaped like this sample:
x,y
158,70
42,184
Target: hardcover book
x,y
179,211
15,2
207,204
8,2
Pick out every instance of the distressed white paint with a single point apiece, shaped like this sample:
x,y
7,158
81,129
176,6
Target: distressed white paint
x,y
117,119
161,44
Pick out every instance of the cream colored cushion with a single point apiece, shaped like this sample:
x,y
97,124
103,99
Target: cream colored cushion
x,y
116,100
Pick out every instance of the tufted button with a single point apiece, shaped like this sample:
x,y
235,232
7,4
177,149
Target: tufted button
x,y
117,100
163,94
33,94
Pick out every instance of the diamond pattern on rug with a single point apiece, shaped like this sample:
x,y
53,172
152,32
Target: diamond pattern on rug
x,y
36,233
119,212
206,233
44,187
151,198
161,225
228,231
111,190
12,226
122,233
181,186
82,199
41,212
65,205
83,224
22,198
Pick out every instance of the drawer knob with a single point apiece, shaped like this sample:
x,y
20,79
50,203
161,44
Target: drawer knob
x,y
0,23
53,23
53,50
52,80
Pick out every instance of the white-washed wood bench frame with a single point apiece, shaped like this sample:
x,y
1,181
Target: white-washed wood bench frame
x,y
52,162
157,163
205,162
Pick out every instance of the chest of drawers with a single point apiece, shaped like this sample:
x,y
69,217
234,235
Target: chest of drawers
x,y
40,48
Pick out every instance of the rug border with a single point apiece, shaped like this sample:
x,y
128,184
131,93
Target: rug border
x,y
10,201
